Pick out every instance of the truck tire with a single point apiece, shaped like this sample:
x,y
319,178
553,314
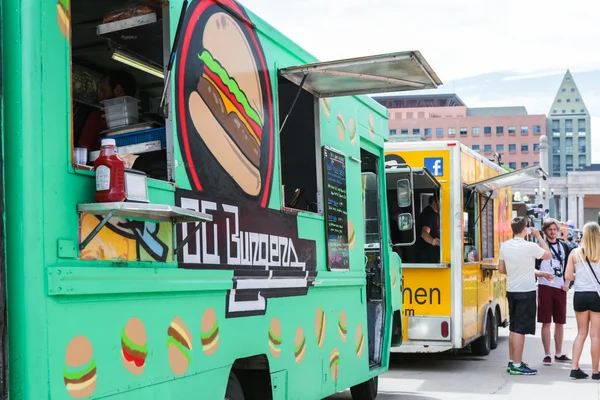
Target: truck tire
x,y
234,388
366,390
482,346
494,339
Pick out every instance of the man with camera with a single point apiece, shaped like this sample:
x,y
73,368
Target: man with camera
x,y
552,294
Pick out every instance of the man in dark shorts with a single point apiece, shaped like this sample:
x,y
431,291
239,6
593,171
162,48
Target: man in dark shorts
x,y
517,261
552,294
428,231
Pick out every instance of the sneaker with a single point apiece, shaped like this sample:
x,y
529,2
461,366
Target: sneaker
x,y
523,369
596,376
547,360
510,364
578,374
562,359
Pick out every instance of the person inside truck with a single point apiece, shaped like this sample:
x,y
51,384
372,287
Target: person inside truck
x,y
428,229
114,84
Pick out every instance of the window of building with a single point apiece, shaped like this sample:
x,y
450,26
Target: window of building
x,y
568,149
536,147
512,148
524,148
569,163
487,148
499,130
476,147
416,131
404,132
581,125
499,148
421,114
536,163
512,130
524,129
451,131
537,129
409,115
572,111
556,163
524,164
392,131
564,90
427,132
576,100
463,131
512,165
439,132
564,111
559,101
568,100
569,125
487,130
555,125
568,79
582,110
554,111
475,131
572,89
582,160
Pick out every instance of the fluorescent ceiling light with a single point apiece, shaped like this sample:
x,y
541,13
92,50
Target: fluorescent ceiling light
x,y
136,63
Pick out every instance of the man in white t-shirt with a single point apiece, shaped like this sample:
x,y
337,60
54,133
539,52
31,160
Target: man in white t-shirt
x,y
552,294
517,261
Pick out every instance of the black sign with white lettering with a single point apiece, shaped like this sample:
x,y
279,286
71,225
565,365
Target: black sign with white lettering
x,y
261,246
336,218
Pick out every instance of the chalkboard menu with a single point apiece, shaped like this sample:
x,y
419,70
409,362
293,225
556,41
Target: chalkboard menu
x,y
336,217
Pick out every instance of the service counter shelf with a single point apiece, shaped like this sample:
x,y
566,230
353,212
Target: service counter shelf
x,y
143,211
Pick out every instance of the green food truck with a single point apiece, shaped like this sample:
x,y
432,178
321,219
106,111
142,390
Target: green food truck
x,y
248,260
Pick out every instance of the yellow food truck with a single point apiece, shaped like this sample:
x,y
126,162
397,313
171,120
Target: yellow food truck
x,y
453,294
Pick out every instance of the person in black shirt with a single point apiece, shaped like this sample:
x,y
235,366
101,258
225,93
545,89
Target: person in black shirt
x,y
428,231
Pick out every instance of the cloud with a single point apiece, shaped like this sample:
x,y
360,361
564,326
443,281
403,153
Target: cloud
x,y
459,39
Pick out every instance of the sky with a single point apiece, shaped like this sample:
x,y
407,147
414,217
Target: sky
x,y
491,53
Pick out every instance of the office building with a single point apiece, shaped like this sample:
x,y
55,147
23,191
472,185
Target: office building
x,y
508,131
569,130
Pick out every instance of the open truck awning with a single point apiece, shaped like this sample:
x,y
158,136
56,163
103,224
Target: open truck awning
x,y
509,179
394,72
422,178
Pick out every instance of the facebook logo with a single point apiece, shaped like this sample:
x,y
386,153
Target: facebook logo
x,y
435,166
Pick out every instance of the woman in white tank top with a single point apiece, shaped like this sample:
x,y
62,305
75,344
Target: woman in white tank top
x,y
584,267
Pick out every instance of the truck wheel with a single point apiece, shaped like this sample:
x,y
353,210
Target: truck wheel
x,y
234,388
494,342
366,390
481,346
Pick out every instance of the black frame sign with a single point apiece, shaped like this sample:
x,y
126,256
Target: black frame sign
x,y
335,209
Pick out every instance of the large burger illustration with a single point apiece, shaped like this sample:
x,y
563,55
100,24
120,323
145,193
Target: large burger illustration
x,y
225,104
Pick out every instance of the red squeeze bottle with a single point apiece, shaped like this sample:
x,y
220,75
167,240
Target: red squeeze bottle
x,y
110,174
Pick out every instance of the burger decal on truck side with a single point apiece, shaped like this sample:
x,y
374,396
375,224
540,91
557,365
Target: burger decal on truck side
x,y
225,122
226,133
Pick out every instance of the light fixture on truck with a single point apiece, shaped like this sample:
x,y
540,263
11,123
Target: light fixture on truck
x,y
124,58
445,329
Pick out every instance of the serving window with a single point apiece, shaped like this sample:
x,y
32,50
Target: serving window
x,y
299,143
118,49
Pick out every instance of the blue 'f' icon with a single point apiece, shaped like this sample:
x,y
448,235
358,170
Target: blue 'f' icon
x,y
435,165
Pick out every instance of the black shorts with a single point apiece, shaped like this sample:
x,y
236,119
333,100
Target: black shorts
x,y
522,310
586,301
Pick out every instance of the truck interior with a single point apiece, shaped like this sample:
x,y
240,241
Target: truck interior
x,y
408,193
121,35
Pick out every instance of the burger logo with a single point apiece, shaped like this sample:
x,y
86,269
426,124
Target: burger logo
x,y
225,107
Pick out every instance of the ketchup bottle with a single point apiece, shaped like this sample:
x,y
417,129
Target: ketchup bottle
x,y
110,174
